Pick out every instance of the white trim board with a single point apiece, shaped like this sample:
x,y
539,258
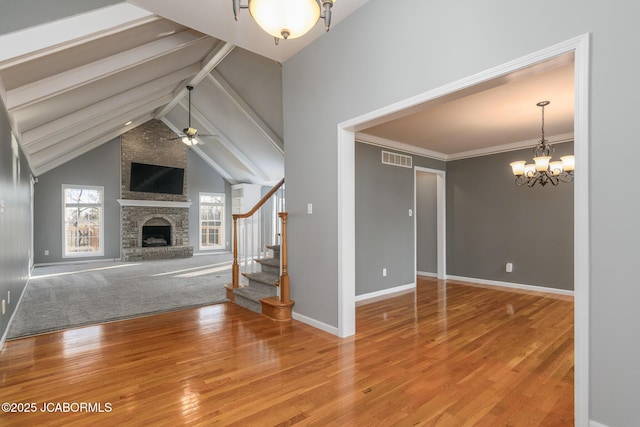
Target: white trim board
x,y
511,285
425,274
384,292
3,339
315,323
596,424
346,130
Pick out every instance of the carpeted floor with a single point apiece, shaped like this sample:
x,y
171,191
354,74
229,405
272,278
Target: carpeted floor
x,y
71,295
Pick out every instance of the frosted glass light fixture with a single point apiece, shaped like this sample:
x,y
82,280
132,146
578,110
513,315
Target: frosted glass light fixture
x,y
543,170
286,19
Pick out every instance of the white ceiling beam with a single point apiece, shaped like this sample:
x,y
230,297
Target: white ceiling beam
x,y
31,43
222,171
115,125
53,163
226,142
68,80
82,118
212,60
246,110
130,109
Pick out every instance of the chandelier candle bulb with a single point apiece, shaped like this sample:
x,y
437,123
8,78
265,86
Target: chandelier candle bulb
x,y
555,167
529,170
518,167
542,163
568,163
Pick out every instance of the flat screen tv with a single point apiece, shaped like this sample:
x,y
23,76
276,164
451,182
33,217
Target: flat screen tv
x,y
156,179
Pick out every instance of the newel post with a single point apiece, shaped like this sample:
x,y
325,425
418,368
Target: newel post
x,y
235,269
284,278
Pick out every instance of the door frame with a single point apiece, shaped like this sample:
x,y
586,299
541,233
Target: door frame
x,y
580,46
441,214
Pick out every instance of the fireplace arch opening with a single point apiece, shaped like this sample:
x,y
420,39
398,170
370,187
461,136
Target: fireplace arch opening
x,y
156,232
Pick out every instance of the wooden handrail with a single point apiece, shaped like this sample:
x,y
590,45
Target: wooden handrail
x,y
235,268
284,277
261,202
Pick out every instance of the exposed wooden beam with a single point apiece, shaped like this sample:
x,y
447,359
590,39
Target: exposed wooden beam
x,y
246,110
68,80
73,144
35,42
227,143
85,118
60,160
212,60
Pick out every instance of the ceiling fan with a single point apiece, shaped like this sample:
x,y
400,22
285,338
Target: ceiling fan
x,y
190,134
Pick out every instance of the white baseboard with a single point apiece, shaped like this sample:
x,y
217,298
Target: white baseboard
x,y
6,331
512,285
596,424
424,273
315,323
385,292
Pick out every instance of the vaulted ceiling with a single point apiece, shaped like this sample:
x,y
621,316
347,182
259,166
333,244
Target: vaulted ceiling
x,y
75,83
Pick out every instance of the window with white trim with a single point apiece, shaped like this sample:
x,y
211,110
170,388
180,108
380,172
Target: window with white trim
x,y
82,213
211,221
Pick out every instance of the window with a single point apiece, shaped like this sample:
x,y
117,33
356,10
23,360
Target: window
x,y
211,221
83,221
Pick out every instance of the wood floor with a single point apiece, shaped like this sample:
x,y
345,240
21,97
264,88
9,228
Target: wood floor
x,y
451,355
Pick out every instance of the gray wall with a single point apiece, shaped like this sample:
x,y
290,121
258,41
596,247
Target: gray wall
x,y
492,221
384,229
18,14
15,223
426,223
100,167
422,45
203,178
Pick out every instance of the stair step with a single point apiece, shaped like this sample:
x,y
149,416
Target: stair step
x,y
269,265
262,277
249,297
275,249
269,261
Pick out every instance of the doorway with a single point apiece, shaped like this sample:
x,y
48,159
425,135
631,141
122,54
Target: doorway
x,y
579,46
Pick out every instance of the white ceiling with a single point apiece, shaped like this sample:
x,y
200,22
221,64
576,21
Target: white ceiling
x,y
74,84
215,17
498,116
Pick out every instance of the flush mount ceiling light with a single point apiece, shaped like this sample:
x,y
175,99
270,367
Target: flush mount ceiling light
x,y
286,19
543,170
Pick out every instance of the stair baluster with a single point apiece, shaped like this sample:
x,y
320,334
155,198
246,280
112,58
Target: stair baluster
x,y
260,283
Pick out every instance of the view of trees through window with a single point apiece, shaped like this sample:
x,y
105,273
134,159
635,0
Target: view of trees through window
x,y
211,221
83,221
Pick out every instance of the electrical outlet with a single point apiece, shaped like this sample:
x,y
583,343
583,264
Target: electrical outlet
x,y
4,307
46,252
384,272
8,297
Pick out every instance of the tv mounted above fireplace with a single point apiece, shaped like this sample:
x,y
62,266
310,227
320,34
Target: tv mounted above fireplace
x,y
156,179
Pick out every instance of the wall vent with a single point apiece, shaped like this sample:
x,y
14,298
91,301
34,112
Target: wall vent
x,y
394,159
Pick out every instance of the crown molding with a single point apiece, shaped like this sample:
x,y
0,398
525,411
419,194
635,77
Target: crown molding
x,y
486,151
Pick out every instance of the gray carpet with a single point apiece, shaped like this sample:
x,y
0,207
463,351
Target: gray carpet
x,y
71,295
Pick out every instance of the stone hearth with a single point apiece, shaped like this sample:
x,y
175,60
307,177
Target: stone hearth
x,y
135,214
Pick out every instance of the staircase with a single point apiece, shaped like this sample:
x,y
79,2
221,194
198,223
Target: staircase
x,y
264,285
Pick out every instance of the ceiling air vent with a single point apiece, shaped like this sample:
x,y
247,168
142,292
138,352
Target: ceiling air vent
x,y
397,159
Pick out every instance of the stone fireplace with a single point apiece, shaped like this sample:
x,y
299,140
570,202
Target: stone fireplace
x,y
153,225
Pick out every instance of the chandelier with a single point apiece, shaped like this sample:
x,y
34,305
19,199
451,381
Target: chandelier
x,y
543,170
286,19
